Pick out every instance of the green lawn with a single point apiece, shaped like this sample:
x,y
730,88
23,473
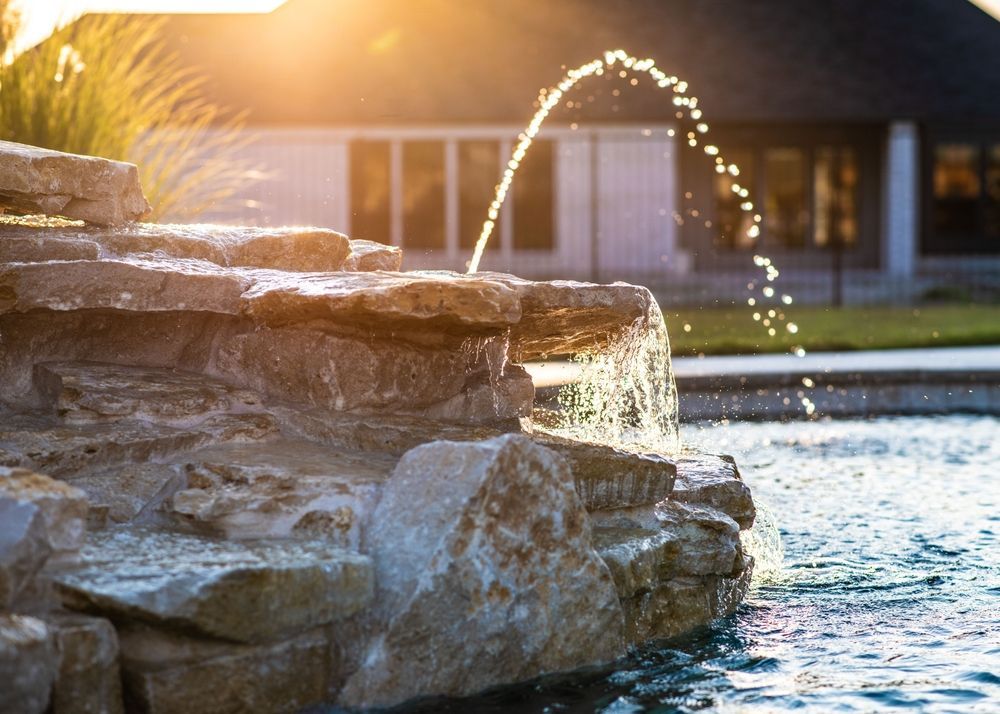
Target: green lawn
x,y
732,330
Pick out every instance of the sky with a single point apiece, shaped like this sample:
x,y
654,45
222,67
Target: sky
x,y
41,16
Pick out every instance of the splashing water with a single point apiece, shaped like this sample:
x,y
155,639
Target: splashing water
x,y
763,542
550,97
626,395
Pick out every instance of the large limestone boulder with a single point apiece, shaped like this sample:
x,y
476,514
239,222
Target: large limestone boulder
x,y
92,189
485,574
244,592
28,665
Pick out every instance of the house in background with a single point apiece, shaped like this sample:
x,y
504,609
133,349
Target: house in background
x,y
867,132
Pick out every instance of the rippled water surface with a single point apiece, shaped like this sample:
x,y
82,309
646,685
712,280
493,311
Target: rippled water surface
x,y
889,596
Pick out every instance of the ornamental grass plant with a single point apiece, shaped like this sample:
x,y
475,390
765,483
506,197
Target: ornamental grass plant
x,y
106,86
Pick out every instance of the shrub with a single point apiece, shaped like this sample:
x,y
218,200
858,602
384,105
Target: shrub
x,y
105,86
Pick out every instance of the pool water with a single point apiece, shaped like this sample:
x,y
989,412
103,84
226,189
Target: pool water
x,y
888,596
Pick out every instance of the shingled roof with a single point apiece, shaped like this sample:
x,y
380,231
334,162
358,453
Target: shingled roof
x,y
337,62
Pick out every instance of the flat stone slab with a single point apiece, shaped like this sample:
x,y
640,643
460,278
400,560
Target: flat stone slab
x,y
92,189
609,478
88,392
153,285
651,545
168,672
244,592
444,300
280,489
565,316
309,249
714,481
67,451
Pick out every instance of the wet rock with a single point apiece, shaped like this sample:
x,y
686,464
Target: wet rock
x,y
666,540
88,679
88,188
245,592
82,392
27,665
24,548
166,673
379,299
63,508
565,317
153,285
485,574
714,481
677,606
486,398
609,478
675,566
280,489
368,255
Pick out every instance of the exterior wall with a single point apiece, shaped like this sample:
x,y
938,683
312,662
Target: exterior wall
x,y
901,231
628,230
304,179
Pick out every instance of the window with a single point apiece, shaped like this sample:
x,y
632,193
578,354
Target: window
x,y
732,221
786,214
993,192
956,189
478,173
533,194
835,197
808,196
370,190
964,205
423,195
445,188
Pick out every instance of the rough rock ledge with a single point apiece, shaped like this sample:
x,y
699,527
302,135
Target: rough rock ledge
x,y
278,472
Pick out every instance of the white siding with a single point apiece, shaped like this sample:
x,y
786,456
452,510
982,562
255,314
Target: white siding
x,y
308,182
637,232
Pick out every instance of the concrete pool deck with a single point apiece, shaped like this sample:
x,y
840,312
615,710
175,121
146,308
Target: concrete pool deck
x,y
862,383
